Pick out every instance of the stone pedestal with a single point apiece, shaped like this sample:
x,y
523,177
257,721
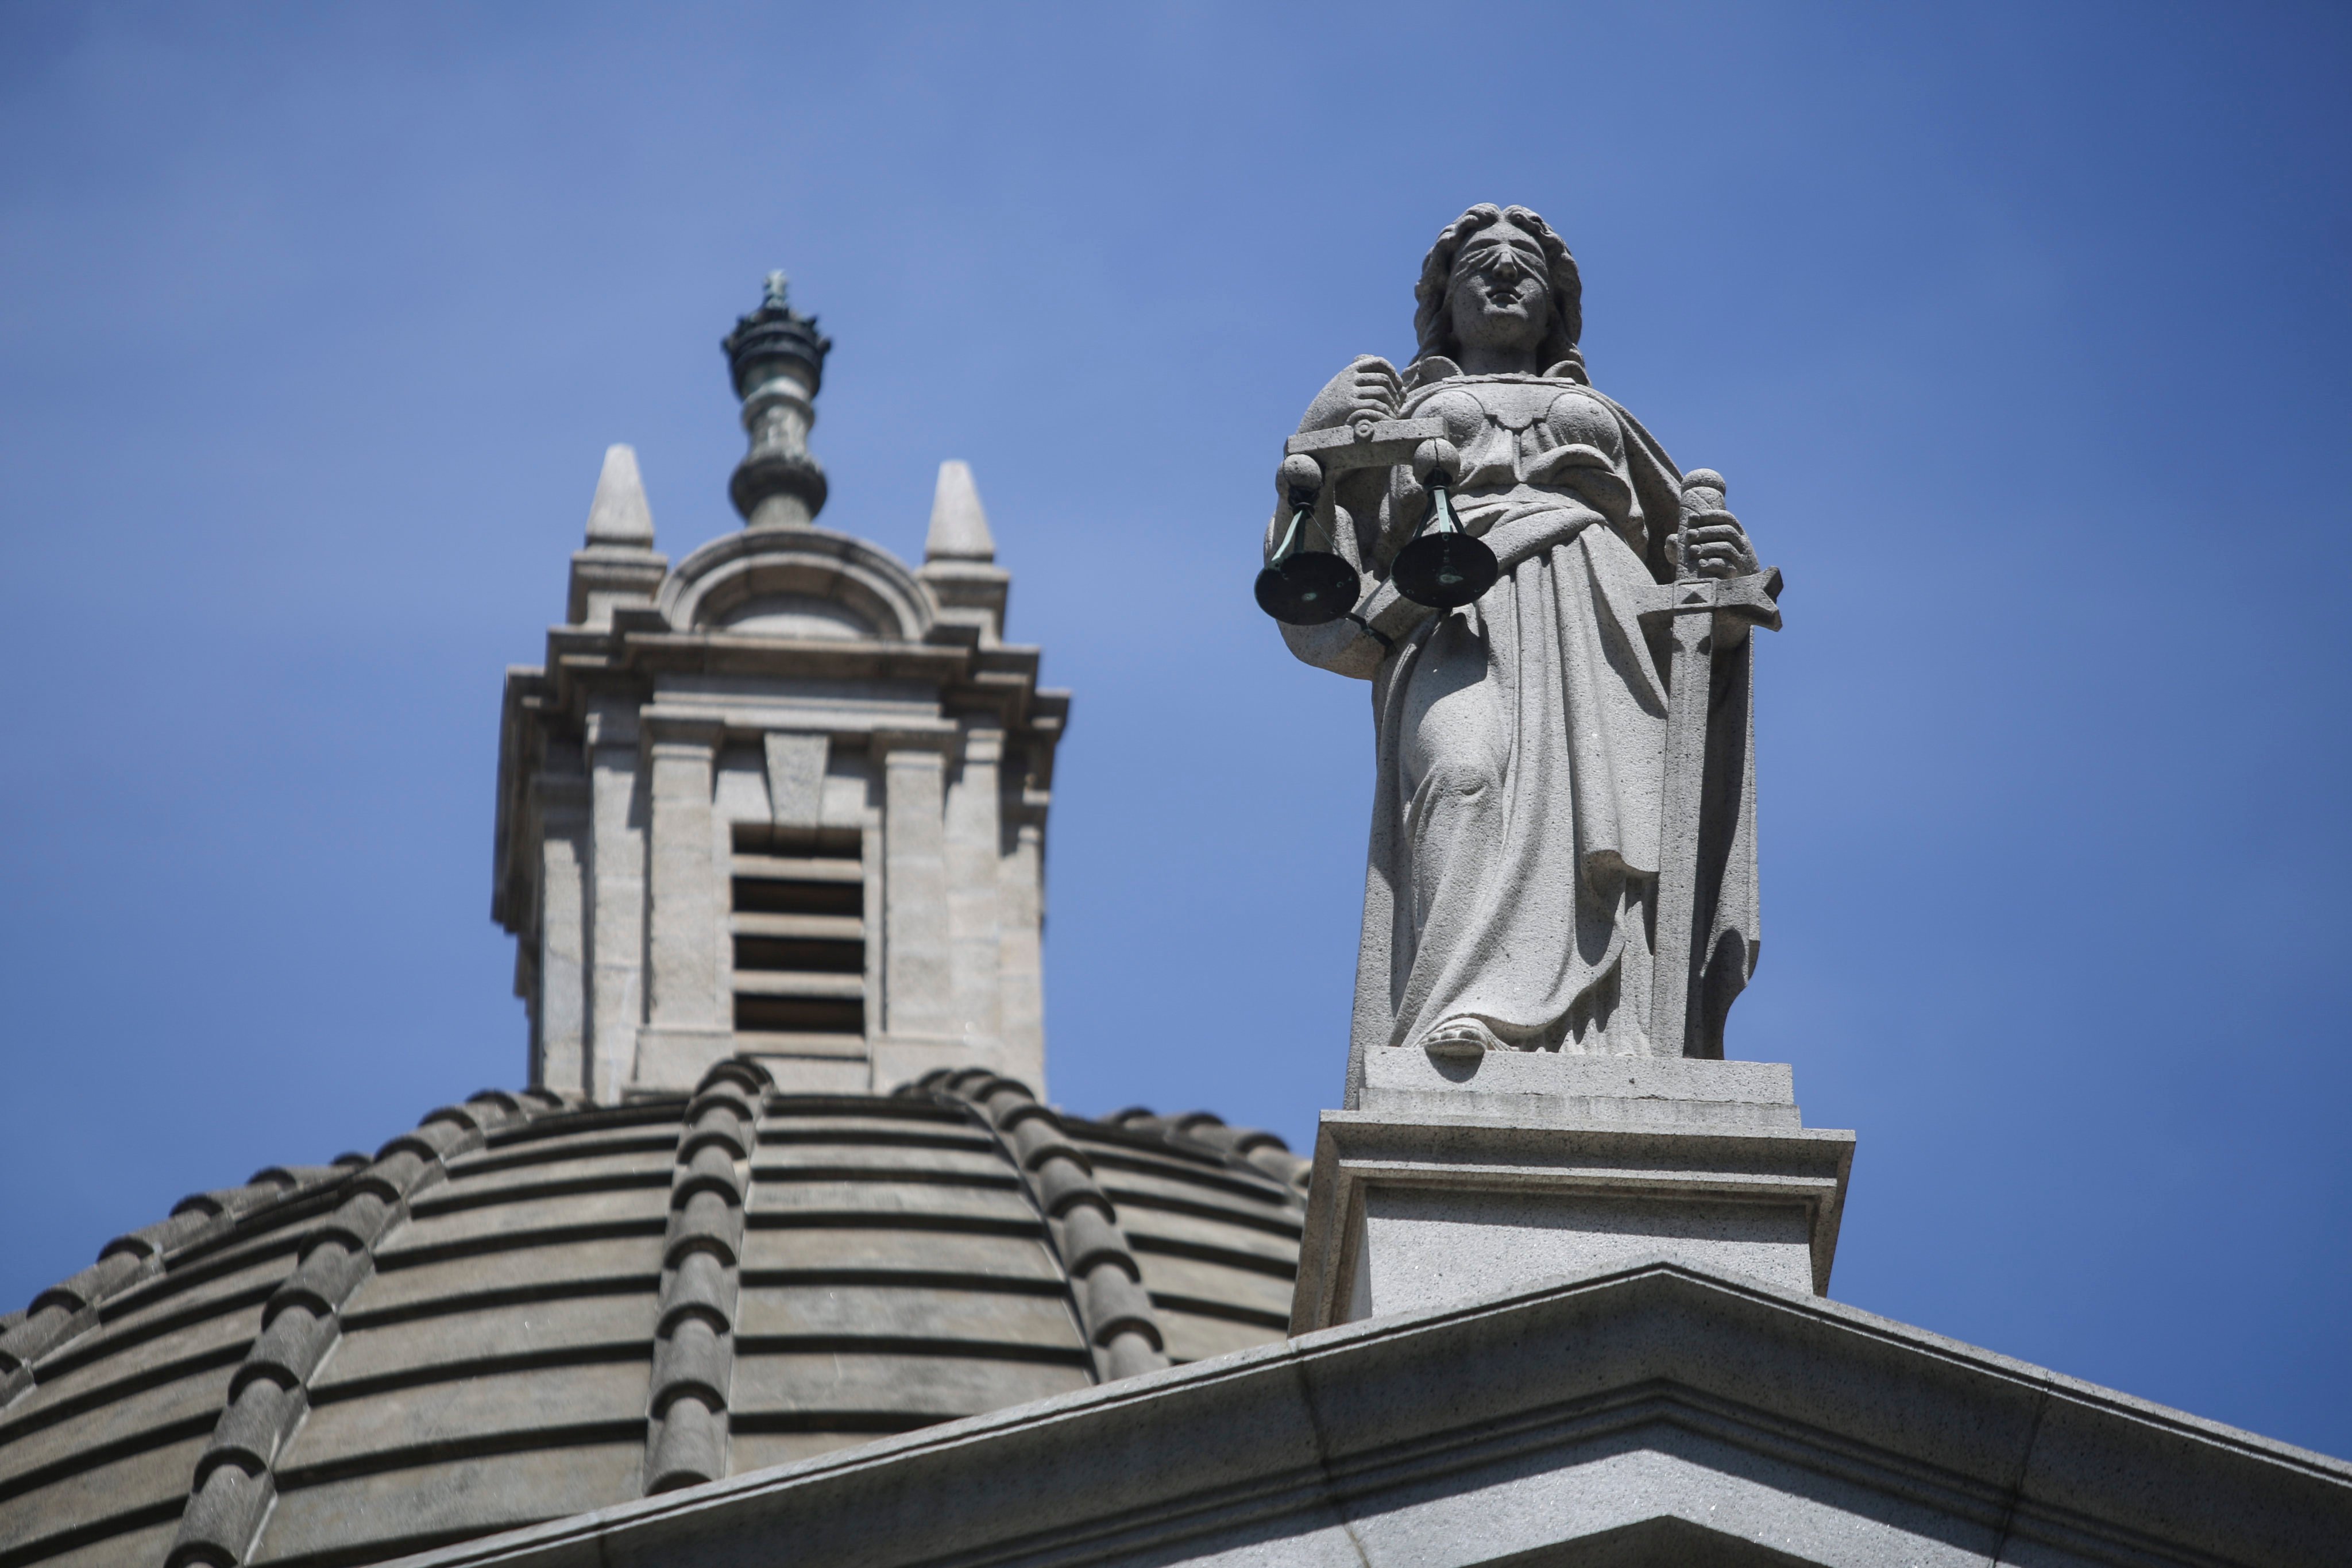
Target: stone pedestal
x,y
1455,1180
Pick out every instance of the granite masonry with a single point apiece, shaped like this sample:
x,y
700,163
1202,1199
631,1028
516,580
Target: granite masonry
x,y
786,798
785,1257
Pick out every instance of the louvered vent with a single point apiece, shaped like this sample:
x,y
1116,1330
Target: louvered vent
x,y
799,924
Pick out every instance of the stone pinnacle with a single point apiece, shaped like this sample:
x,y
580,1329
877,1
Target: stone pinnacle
x,y
959,525
619,514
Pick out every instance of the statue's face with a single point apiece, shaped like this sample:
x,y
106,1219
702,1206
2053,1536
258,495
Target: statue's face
x,y
1500,297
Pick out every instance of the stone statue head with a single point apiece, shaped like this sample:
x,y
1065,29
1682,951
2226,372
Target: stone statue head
x,y
1513,246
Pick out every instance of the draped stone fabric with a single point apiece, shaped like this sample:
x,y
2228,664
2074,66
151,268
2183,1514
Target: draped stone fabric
x,y
1514,847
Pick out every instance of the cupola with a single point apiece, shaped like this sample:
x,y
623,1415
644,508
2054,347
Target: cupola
x,y
785,800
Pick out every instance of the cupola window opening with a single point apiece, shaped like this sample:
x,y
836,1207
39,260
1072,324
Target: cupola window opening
x,y
797,918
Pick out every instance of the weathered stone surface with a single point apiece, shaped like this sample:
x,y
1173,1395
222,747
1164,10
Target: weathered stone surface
x,y
462,1409
619,514
511,1222
415,1505
1265,1290
1582,1090
784,688
548,1266
760,1450
188,1402
943,1313
518,1311
543,1329
1410,1212
608,1166
1607,1420
229,1275
1188,1227
959,530
978,1159
142,1545
897,1248
88,1498
1192,1336
849,1382
794,1201
1527,836
209,1335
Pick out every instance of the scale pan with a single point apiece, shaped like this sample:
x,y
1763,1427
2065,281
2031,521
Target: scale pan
x,y
1444,571
1308,589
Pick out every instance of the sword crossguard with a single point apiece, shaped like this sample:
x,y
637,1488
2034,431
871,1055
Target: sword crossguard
x,y
1753,598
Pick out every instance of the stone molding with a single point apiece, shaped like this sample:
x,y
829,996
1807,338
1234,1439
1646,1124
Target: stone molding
x,y
863,578
1106,1281
548,1242
268,1394
1571,1090
669,681
693,1346
606,576
1416,1209
1252,1146
1652,1406
68,1309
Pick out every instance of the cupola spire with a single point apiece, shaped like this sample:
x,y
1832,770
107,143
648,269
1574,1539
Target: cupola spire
x,y
777,358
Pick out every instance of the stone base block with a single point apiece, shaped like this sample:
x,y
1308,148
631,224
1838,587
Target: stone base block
x,y
673,1060
1436,1191
902,1059
1581,1091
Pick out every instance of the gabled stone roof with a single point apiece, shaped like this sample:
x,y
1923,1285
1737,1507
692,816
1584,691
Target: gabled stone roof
x,y
530,1307
1655,1414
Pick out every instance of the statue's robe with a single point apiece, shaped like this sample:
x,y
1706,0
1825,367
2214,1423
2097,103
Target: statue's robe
x,y
1514,855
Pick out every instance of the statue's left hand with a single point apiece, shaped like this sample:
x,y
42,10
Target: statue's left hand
x,y
1369,385
1720,546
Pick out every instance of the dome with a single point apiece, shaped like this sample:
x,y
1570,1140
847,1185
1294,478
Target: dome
x,y
531,1306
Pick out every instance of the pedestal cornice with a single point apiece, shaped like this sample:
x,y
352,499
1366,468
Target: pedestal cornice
x,y
1556,1166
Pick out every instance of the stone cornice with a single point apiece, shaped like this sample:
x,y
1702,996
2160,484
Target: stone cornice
x,y
1653,1396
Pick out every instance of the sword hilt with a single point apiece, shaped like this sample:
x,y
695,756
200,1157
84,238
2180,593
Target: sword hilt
x,y
1703,491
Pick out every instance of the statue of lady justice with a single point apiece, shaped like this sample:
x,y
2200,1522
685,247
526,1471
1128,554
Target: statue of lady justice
x,y
1509,902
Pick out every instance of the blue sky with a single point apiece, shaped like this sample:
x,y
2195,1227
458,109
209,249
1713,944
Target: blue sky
x,y
2020,332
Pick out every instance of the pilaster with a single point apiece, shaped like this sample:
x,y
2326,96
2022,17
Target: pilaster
x,y
916,989
686,1028
663,899
616,899
974,846
559,1006
1021,969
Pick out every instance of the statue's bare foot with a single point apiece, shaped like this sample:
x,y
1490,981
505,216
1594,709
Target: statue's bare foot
x,y
1460,1040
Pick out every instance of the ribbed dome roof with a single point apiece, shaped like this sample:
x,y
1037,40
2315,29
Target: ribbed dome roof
x,y
530,1307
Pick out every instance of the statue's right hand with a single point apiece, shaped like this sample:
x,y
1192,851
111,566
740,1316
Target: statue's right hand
x,y
1369,385
1298,482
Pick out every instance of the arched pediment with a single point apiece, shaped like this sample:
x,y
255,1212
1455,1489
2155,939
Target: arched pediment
x,y
797,582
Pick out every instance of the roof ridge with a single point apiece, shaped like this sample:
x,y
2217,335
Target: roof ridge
x,y
1202,1132
688,1398
67,1310
1117,1312
234,1482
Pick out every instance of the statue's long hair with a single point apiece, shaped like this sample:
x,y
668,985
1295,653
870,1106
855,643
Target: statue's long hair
x,y
1432,323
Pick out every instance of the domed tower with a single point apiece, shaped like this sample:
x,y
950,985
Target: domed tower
x,y
787,799
771,838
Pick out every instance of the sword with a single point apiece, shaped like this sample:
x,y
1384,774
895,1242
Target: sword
x,y
1695,611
